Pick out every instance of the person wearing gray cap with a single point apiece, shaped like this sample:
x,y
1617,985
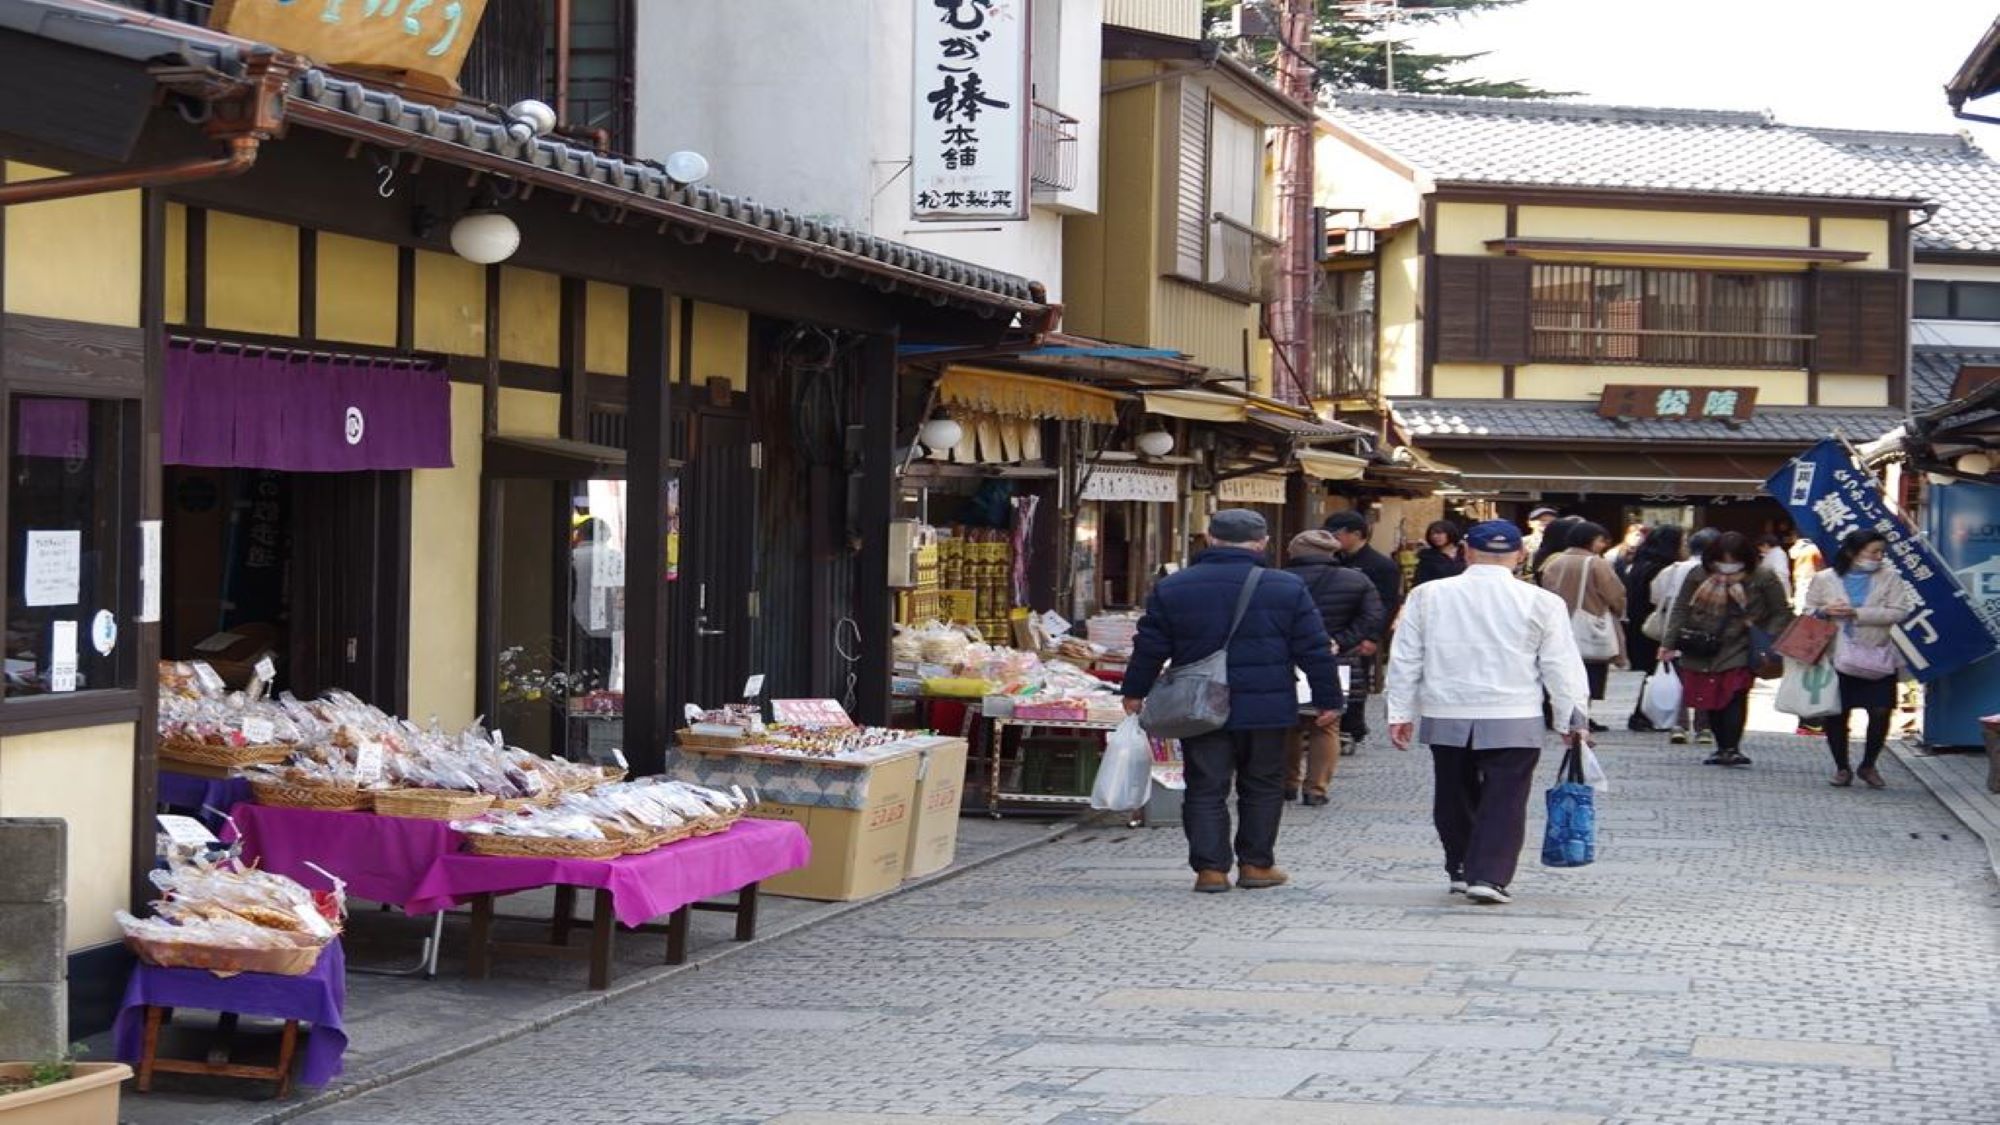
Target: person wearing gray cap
x,y
1267,622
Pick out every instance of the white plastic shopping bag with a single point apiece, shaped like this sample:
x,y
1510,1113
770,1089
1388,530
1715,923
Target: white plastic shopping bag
x,y
1125,779
1662,700
1593,774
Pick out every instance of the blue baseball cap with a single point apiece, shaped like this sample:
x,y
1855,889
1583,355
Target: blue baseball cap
x,y
1494,537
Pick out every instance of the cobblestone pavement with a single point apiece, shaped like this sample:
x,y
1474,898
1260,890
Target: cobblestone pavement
x,y
1753,947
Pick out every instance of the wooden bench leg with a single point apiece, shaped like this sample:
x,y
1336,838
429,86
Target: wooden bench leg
x,y
677,935
479,962
746,913
151,1048
565,915
602,921
286,1045
224,1043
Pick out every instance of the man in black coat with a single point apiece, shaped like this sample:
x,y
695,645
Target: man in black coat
x,y
1350,530
1188,617
1351,609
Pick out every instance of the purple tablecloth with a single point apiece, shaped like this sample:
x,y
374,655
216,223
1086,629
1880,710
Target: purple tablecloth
x,y
382,858
643,887
186,791
316,998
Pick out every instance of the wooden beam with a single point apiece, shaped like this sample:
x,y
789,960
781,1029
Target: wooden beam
x,y
873,601
649,472
1674,249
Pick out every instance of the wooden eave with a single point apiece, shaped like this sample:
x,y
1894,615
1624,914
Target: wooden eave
x,y
1590,246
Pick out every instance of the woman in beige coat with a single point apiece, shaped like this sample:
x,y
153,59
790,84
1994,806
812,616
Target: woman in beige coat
x,y
1583,579
1862,595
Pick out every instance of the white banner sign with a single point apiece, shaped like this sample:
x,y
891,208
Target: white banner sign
x,y
969,151
1251,490
1132,482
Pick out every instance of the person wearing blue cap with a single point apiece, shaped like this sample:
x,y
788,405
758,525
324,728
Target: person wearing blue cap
x,y
1470,662
1193,615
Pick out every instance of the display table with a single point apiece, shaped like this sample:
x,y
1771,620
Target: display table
x,y
188,791
997,730
315,998
631,890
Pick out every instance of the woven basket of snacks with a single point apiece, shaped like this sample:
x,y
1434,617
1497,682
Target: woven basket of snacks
x,y
689,739
327,798
195,753
516,804
541,847
288,961
713,825
431,804
591,778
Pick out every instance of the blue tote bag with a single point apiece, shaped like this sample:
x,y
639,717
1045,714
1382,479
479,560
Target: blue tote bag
x,y
1570,839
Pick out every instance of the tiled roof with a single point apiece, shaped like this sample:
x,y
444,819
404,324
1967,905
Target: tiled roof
x,y
1934,370
1945,168
1457,139
1463,419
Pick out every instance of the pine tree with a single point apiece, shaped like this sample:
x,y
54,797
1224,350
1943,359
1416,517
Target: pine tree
x,y
1352,55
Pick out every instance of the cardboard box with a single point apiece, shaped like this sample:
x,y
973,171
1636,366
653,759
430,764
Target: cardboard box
x,y
934,822
856,852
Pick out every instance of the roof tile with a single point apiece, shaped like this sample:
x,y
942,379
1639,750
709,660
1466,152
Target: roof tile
x,y
1461,419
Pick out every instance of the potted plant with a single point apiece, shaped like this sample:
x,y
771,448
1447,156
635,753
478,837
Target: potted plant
x,y
61,1091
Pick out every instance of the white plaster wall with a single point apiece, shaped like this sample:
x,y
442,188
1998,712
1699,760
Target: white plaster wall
x,y
1955,333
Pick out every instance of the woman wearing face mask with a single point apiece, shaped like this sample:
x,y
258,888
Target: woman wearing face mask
x,y
1708,631
1865,597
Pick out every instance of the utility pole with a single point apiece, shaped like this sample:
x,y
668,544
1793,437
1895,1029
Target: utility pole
x,y
1292,320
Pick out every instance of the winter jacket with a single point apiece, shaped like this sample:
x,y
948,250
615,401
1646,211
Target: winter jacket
x,y
1433,564
1383,571
1484,645
1187,618
1578,572
1348,603
1890,601
1765,606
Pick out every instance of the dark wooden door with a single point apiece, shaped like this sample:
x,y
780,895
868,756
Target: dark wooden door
x,y
719,514
350,586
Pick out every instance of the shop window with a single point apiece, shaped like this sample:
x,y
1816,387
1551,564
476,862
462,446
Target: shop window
x,y
71,509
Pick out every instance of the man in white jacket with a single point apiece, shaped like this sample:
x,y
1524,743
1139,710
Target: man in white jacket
x,y
1471,659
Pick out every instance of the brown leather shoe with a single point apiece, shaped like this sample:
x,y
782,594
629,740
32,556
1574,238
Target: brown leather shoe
x,y
1874,780
1211,882
1257,878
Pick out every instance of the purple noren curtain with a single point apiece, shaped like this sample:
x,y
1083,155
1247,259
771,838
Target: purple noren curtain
x,y
226,410
53,427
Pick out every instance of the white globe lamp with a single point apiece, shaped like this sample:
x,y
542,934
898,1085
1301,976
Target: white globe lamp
x,y
941,434
485,237
1974,464
1156,443
685,167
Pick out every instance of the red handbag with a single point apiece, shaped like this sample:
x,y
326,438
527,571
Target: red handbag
x,y
1806,639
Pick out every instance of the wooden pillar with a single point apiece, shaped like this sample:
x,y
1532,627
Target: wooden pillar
x,y
873,601
649,470
145,759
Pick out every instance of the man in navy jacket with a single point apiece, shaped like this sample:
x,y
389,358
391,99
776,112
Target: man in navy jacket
x,y
1187,618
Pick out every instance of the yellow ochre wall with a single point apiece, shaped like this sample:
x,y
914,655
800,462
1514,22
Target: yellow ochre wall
x,y
355,288
450,313
444,571
721,345
1399,359
253,275
1110,259
74,259
83,776
530,317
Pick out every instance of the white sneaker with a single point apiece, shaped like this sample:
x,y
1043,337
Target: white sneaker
x,y
1458,886
1486,894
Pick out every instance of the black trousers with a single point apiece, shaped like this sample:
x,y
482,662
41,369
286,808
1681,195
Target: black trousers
x,y
1728,722
1254,761
1878,736
1481,809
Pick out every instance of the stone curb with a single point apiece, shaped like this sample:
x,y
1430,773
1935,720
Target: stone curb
x,y
549,1014
1950,799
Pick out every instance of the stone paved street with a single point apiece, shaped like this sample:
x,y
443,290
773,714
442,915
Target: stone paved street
x,y
1754,947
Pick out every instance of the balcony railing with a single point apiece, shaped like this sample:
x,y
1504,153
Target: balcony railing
x,y
1241,259
1344,353
1671,317
1051,149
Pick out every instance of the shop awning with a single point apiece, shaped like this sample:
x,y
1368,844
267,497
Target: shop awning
x,y
257,409
1306,429
518,457
1647,474
1331,466
1198,406
1031,397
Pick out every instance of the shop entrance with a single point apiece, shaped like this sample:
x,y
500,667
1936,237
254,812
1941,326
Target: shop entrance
x,y
718,560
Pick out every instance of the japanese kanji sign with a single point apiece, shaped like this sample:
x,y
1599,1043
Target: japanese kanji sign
x,y
1828,496
969,152
1631,400
421,37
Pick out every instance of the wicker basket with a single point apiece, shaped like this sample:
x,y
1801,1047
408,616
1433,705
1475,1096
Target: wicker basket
x,y
541,847
516,804
223,757
592,780
431,804
714,825
327,798
289,961
688,738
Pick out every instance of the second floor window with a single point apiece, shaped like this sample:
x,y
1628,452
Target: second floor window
x,y
1694,318
1956,300
1215,237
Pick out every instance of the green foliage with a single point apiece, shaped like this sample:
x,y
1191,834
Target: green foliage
x,y
1355,56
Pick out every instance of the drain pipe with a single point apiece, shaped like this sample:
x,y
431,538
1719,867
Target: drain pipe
x,y
242,154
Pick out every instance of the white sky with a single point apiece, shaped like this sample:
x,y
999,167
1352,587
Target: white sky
x,y
1859,64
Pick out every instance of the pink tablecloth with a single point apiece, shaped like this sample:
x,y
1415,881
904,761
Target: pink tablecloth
x,y
382,858
643,887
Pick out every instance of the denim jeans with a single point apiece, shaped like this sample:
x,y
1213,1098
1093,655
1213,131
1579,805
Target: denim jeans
x,y
1254,761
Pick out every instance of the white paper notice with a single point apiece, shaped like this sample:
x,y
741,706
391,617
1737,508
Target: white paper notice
x,y
185,830
62,656
754,686
54,568
149,570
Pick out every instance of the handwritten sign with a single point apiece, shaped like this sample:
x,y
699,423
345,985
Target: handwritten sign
x,y
53,569
968,158
810,713
62,656
421,37
1132,482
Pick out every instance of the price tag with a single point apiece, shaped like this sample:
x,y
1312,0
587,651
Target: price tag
x,y
266,668
259,731
754,686
185,831
315,922
810,713
618,756
209,679
499,740
368,762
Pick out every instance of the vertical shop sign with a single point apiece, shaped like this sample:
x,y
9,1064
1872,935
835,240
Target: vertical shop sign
x,y
1828,496
969,153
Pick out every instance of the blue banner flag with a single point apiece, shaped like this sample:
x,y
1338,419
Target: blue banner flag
x,y
1829,495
